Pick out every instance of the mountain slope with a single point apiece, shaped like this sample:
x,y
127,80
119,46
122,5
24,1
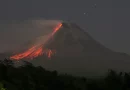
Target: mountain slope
x,y
79,54
76,52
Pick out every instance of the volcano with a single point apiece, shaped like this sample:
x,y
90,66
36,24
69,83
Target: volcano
x,y
70,49
38,48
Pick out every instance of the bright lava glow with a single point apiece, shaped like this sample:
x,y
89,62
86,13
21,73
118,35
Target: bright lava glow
x,y
37,49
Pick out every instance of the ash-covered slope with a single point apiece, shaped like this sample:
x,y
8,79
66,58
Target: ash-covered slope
x,y
71,40
79,54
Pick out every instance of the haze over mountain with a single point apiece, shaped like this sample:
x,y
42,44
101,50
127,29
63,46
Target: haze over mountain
x,y
78,53
16,33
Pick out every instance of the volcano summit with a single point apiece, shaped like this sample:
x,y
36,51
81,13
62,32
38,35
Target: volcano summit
x,y
72,50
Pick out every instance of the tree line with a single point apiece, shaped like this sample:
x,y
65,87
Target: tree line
x,y
29,77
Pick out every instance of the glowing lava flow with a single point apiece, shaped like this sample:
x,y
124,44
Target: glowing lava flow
x,y
56,29
37,49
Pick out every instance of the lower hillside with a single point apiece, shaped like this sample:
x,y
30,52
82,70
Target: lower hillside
x,y
29,77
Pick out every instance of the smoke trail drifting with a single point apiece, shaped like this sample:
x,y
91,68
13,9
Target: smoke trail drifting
x,y
15,34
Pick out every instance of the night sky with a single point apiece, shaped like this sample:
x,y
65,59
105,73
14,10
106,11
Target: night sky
x,y
108,21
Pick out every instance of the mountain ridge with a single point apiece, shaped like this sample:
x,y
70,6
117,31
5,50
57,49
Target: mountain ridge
x,y
78,53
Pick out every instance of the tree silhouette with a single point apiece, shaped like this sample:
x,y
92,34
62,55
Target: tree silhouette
x,y
29,77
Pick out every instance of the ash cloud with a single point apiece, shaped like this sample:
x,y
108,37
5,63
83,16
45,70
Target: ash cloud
x,y
14,34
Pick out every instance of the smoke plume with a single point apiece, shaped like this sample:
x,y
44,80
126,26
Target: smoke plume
x,y
15,34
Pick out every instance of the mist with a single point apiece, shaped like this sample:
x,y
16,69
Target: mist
x,y
14,34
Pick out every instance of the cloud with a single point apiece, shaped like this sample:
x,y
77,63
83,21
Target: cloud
x,y
16,33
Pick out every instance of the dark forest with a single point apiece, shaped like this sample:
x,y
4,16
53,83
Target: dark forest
x,y
29,77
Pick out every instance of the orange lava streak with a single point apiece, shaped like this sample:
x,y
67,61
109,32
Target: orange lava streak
x,y
49,54
36,53
36,50
56,29
24,54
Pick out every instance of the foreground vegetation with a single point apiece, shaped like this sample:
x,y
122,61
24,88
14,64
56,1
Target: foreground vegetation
x,y
28,77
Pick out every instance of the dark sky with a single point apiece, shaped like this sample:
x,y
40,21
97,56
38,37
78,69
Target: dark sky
x,y
108,21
